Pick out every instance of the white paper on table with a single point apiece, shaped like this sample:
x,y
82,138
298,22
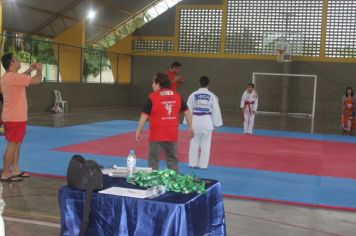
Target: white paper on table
x,y
122,172
126,192
119,171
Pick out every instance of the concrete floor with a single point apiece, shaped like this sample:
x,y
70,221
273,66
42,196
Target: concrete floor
x,y
324,125
32,207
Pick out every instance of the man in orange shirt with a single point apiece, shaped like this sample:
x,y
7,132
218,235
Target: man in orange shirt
x,y
14,115
173,76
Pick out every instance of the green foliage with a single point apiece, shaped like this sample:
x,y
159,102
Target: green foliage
x,y
42,52
131,26
94,62
124,30
23,56
30,49
33,49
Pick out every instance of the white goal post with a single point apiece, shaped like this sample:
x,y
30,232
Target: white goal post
x,y
279,75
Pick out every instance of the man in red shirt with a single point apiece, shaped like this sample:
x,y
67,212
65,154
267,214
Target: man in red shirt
x,y
173,76
14,114
162,107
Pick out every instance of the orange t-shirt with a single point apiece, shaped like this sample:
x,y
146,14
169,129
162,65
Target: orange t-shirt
x,y
13,86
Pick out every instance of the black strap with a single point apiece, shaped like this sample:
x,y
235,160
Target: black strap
x,y
86,211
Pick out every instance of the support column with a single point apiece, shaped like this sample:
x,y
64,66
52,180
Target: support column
x,y
121,69
286,69
69,54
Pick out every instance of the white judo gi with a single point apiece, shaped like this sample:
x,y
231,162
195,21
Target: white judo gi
x,y
205,109
249,103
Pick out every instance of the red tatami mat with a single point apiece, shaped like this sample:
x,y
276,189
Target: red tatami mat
x,y
290,155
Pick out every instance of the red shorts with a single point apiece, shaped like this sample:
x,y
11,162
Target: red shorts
x,y
15,131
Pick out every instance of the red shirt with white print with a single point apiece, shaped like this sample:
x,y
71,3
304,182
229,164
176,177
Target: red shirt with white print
x,y
163,107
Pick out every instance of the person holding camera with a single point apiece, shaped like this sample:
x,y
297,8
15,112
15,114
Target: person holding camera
x,y
14,115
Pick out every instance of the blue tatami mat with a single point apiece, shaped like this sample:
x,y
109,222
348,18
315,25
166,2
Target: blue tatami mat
x,y
38,156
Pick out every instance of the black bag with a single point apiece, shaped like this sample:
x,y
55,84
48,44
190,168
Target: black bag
x,y
84,175
81,173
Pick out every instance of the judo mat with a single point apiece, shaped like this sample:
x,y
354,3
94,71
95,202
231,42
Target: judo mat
x,y
290,167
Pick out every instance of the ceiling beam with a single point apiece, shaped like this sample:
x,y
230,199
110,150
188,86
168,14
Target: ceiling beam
x,y
43,10
23,32
60,15
64,23
115,7
55,16
124,21
75,13
52,29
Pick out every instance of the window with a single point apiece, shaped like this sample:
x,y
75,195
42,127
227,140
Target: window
x,y
249,20
152,46
200,30
341,29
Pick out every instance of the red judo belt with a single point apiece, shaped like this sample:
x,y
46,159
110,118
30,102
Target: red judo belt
x,y
247,103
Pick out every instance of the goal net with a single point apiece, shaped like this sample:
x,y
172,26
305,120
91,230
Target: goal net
x,y
290,94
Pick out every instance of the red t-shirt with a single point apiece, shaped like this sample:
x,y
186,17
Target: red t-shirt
x,y
163,107
172,76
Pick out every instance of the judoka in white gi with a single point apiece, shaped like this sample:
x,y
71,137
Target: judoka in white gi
x,y
205,108
249,103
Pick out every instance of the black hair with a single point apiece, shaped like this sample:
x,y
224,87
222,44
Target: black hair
x,y
176,64
251,84
6,60
352,91
204,81
162,80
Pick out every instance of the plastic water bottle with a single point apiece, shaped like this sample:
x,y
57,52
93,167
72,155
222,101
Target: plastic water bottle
x,y
156,191
131,162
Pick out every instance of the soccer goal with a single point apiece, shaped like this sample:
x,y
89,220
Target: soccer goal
x,y
290,94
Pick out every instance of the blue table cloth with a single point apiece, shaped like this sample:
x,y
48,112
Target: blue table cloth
x,y
169,214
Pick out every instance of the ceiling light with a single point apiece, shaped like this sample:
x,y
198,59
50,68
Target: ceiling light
x,y
91,14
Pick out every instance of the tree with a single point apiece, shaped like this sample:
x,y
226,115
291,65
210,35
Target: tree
x,y
30,48
94,62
